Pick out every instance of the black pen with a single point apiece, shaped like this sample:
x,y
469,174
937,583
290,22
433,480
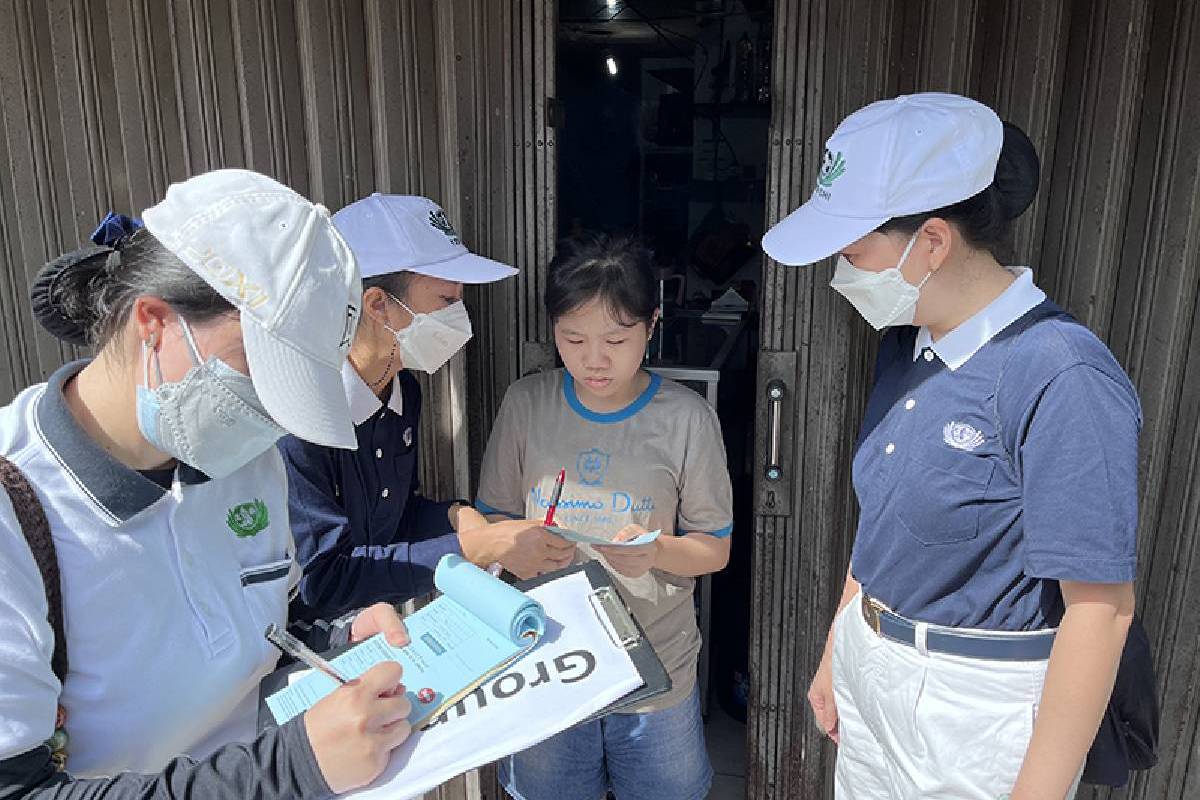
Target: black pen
x,y
301,652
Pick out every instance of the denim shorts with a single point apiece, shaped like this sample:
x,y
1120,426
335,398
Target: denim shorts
x,y
655,756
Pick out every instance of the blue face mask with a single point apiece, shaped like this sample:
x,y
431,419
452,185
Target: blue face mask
x,y
211,420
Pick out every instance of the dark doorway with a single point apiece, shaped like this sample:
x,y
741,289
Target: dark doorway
x,y
665,112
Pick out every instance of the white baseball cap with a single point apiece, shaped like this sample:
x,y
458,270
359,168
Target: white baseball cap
x,y
908,155
278,259
395,232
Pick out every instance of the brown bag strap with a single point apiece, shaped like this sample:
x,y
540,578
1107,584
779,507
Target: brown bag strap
x,y
35,526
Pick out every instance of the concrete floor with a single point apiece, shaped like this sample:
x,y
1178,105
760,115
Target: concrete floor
x,y
726,739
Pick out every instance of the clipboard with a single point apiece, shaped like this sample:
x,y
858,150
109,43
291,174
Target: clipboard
x,y
627,634
624,630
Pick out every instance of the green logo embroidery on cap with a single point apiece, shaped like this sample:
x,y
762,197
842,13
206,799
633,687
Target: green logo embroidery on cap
x,y
438,220
832,167
248,519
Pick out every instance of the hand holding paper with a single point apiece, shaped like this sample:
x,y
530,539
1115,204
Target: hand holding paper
x,y
576,670
632,552
479,626
640,536
380,618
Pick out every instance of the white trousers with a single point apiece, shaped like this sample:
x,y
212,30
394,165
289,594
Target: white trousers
x,y
931,725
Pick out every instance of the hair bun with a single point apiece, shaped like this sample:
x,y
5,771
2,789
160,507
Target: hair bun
x,y
1018,172
60,295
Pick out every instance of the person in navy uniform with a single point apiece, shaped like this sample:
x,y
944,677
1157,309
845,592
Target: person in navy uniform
x,y
990,587
364,531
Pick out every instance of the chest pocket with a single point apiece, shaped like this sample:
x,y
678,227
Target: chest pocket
x,y
940,495
265,590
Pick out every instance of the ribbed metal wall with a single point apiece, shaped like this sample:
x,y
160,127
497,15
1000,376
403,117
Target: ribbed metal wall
x,y
508,173
107,103
1109,91
104,104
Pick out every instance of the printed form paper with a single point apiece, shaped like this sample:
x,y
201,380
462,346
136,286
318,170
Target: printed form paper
x,y
575,671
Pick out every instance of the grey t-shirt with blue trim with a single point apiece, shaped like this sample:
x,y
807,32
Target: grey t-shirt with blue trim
x,y
659,462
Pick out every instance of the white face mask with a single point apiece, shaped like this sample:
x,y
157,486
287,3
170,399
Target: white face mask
x,y
882,298
211,420
430,340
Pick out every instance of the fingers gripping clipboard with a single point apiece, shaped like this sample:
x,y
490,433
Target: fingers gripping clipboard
x,y
625,631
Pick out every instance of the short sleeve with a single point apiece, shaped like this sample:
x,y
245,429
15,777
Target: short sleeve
x,y
501,480
28,687
1078,462
705,493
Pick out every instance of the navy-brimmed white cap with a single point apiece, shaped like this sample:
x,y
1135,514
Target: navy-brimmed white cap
x,y
907,155
394,232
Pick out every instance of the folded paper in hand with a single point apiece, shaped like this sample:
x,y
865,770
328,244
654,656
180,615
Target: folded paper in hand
x,y
584,538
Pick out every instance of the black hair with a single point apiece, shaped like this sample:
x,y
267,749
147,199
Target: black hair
x,y
394,283
984,219
616,269
85,297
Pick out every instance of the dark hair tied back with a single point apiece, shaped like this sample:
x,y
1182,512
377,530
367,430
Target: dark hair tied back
x,y
985,219
60,290
1018,173
84,297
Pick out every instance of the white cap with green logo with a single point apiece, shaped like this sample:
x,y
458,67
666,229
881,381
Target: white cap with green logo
x,y
393,233
907,155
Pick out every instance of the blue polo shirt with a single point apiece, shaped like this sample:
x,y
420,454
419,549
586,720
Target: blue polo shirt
x,y
994,463
364,533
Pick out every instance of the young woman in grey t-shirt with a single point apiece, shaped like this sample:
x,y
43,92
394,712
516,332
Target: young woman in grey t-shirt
x,y
641,454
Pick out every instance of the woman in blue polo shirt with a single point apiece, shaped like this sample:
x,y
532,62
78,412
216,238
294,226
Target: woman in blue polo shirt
x,y
991,582
219,326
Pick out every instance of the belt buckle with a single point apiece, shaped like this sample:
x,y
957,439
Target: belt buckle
x,y
870,613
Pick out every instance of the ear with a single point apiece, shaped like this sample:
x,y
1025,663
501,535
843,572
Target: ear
x,y
150,316
375,305
936,239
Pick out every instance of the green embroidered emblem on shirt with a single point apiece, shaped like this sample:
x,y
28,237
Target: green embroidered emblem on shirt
x,y
248,519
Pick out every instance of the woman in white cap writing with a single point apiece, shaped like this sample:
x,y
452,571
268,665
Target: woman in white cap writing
x,y
991,582
139,572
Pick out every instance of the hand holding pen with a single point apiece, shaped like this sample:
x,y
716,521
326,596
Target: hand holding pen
x,y
524,547
352,730
301,652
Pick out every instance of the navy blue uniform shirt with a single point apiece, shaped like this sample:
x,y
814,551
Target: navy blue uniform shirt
x,y
364,533
993,464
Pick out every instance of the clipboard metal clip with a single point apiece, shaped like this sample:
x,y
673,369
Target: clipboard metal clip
x,y
614,616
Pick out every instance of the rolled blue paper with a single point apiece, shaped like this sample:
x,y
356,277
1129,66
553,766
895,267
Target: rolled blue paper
x,y
504,609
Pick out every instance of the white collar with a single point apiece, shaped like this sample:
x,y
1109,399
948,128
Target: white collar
x,y
363,402
957,346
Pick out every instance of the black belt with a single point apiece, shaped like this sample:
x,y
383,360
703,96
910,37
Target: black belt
x,y
998,646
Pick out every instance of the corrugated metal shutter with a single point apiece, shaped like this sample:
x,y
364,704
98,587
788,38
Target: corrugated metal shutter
x,y
104,104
